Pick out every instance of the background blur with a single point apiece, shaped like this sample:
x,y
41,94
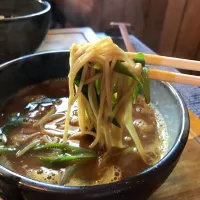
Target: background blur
x,y
169,27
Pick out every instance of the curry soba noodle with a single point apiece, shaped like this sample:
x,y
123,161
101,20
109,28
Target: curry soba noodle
x,y
91,128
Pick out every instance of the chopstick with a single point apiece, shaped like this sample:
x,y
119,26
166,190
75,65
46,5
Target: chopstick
x,y
163,61
124,32
169,61
174,77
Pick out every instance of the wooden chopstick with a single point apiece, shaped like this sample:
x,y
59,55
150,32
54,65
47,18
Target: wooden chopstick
x,y
124,32
174,77
162,75
169,61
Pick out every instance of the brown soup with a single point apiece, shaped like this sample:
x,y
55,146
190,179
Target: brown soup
x,y
24,126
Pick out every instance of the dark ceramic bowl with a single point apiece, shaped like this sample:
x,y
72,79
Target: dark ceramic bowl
x,y
37,68
24,27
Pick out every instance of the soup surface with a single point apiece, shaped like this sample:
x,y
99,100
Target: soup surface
x,y
36,116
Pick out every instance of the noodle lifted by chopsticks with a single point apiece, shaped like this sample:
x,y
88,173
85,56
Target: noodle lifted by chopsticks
x,y
104,96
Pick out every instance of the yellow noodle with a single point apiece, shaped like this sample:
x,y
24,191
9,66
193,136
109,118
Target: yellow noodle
x,y
85,69
72,99
124,98
81,112
80,134
45,118
92,79
107,83
93,99
91,114
99,118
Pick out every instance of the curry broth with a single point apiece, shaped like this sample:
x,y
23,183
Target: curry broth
x,y
117,165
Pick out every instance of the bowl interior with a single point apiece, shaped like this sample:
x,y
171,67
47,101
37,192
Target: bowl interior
x,y
16,8
165,98
38,68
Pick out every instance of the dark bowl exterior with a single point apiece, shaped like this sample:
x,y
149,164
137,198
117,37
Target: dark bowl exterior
x,y
33,69
23,35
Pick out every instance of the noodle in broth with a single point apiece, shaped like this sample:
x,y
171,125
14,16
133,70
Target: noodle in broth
x,y
102,132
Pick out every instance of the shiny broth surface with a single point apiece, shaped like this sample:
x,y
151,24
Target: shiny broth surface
x,y
20,129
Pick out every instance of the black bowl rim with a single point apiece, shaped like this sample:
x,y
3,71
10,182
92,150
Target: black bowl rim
x,y
171,156
45,10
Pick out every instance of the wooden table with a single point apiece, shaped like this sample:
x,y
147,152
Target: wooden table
x,y
184,182
62,39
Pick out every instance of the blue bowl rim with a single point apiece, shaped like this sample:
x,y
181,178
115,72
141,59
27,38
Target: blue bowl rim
x,y
45,10
173,154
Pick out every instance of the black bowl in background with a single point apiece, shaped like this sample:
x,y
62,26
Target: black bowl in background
x,y
23,28
37,68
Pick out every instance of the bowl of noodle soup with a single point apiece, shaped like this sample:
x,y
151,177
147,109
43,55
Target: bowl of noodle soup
x,y
40,161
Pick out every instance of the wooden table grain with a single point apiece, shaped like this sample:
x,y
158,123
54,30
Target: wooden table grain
x,y
184,181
